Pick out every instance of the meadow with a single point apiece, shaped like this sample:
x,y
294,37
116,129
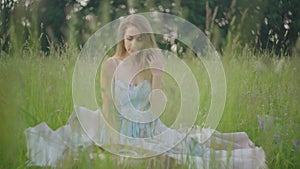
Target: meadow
x,y
263,93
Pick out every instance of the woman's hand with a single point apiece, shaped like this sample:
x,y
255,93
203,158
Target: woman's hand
x,y
155,63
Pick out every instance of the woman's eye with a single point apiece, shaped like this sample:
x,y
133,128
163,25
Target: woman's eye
x,y
129,38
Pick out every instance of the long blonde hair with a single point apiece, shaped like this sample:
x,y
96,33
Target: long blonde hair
x,y
143,25
148,39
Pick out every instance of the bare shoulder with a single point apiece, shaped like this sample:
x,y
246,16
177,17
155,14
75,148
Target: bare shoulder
x,y
109,63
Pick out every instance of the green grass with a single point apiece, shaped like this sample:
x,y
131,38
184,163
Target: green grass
x,y
34,88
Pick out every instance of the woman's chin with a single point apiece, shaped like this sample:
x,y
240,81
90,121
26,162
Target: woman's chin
x,y
131,52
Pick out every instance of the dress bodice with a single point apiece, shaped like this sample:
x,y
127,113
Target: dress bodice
x,y
130,96
132,103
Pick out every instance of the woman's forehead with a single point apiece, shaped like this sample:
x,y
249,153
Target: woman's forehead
x,y
132,31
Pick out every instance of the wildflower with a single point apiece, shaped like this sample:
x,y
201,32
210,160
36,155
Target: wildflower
x,y
260,122
276,138
296,144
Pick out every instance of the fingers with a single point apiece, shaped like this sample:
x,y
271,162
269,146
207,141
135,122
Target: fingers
x,y
152,58
149,59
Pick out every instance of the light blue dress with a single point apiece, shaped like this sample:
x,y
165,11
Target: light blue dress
x,y
133,107
132,102
46,147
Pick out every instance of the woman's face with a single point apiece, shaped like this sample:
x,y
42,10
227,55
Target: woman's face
x,y
132,39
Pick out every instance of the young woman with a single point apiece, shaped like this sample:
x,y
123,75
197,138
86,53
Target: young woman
x,y
130,66
130,83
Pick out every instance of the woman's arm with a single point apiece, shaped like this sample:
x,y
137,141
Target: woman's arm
x,y
106,82
156,66
158,98
157,81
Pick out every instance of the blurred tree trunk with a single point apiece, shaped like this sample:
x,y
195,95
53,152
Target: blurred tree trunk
x,y
6,6
52,17
106,13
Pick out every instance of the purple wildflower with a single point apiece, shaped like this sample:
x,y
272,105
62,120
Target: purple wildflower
x,y
260,122
276,137
296,144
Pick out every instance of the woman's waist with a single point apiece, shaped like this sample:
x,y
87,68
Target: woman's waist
x,y
136,129
136,115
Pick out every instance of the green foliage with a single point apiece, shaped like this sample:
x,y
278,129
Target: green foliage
x,y
279,25
258,23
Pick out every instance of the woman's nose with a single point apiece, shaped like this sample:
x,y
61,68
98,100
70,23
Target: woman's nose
x,y
133,43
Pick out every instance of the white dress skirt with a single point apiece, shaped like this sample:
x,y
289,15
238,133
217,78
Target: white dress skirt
x,y
46,147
